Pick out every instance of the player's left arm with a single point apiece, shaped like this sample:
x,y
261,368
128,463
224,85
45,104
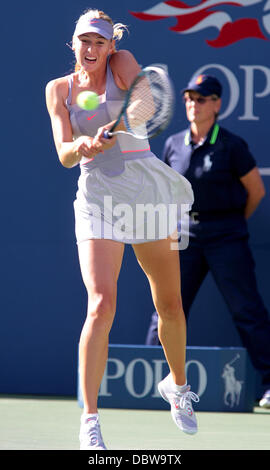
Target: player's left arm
x,y
254,186
125,68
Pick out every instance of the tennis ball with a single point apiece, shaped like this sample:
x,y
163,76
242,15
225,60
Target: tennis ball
x,y
87,100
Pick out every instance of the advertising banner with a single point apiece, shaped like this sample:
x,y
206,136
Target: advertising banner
x,y
223,378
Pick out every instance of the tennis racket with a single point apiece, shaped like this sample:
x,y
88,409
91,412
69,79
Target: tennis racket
x,y
148,106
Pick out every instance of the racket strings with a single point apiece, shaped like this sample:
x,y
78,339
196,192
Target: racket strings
x,y
150,105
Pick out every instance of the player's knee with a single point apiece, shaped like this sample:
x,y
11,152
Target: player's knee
x,y
170,309
101,309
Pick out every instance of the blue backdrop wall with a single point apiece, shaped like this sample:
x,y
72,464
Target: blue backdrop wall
x,y
43,301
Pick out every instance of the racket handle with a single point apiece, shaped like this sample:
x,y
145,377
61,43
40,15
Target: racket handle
x,y
107,134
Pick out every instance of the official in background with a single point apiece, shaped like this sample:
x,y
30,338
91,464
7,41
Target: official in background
x,y
227,189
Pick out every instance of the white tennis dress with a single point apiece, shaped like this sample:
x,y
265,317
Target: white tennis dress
x,y
126,193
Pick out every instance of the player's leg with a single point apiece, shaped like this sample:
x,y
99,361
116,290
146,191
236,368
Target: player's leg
x,y
161,265
100,262
194,269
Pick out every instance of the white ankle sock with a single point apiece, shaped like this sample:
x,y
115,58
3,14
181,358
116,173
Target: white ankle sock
x,y
178,388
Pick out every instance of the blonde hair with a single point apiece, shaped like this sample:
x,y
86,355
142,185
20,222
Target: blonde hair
x,y
118,28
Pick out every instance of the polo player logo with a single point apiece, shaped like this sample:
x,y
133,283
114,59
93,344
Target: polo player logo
x,y
212,14
207,163
233,387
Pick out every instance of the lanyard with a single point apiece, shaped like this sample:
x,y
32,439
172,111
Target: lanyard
x,y
213,137
214,134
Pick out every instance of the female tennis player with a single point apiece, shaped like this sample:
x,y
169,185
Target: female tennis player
x,y
114,172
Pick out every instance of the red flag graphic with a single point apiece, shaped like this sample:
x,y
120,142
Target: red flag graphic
x,y
240,29
186,22
206,14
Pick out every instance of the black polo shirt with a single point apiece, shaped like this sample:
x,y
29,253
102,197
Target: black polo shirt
x,y
214,168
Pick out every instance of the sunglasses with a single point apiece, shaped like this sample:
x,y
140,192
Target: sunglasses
x,y
200,100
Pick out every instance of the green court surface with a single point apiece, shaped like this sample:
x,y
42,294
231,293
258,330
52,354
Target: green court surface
x,y
42,423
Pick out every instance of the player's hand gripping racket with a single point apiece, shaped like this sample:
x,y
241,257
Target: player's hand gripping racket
x,y
148,105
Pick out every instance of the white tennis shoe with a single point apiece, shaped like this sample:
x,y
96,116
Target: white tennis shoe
x,y
181,407
90,434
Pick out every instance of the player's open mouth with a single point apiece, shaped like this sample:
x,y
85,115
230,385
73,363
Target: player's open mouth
x,y
92,60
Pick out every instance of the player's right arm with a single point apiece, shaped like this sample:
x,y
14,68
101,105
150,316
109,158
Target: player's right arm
x,y
69,151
